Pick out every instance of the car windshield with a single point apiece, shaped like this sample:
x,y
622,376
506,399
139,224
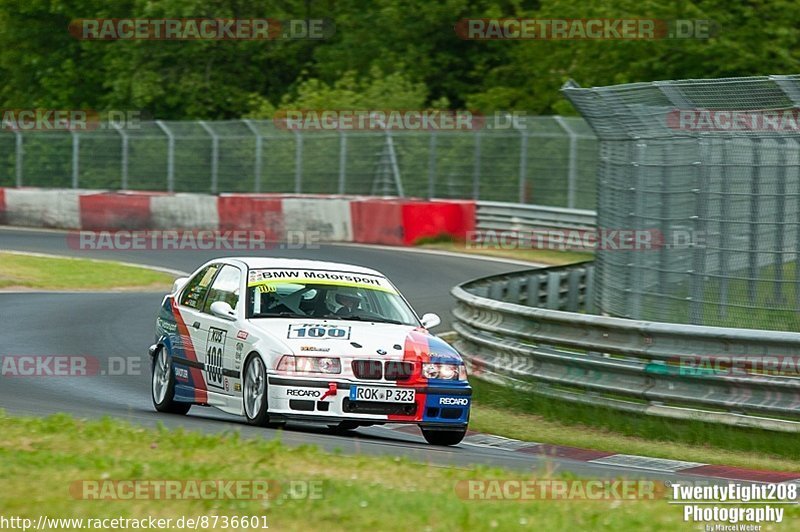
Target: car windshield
x,y
274,293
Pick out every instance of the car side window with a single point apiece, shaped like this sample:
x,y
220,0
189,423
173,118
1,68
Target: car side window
x,y
224,288
196,288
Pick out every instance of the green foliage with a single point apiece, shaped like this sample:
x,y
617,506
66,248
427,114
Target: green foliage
x,y
385,53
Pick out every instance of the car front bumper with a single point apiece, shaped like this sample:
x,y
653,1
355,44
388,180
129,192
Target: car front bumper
x,y
436,404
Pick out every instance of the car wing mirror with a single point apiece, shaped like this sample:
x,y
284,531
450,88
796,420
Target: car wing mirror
x,y
430,320
222,309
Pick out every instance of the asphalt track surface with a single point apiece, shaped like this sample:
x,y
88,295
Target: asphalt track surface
x,y
121,324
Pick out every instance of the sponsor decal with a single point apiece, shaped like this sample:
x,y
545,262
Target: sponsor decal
x,y
358,280
314,348
237,357
241,335
237,387
454,401
215,346
330,392
182,374
381,352
293,392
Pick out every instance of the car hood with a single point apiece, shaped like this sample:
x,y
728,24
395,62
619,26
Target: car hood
x,y
356,339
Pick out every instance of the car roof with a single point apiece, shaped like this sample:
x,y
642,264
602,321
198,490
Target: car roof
x,y
283,263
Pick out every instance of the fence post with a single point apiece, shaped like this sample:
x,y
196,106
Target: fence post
x,y
572,169
342,160
298,163
214,156
170,155
124,150
18,161
398,181
476,169
76,151
432,166
259,147
523,164
696,307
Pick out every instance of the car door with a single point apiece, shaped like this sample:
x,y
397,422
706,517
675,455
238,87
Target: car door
x,y
217,335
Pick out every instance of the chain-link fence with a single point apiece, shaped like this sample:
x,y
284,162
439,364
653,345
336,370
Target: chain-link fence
x,y
546,161
719,161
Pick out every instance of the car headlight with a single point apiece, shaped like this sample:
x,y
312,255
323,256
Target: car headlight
x,y
297,364
449,372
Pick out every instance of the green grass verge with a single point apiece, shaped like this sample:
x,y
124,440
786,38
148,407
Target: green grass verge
x,y
40,458
540,256
57,273
523,416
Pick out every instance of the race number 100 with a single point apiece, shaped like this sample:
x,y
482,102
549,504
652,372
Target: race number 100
x,y
319,332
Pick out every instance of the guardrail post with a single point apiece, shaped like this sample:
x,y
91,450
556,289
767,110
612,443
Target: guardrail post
x,y
298,162
214,156
170,155
512,290
553,290
259,147
123,156
572,169
76,154
573,290
18,161
342,161
588,296
533,289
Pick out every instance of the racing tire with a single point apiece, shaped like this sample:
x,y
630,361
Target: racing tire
x,y
254,394
162,388
443,437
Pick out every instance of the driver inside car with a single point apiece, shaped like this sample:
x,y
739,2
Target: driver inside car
x,y
350,303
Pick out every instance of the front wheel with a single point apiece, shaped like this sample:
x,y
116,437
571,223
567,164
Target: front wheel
x,y
163,386
254,393
444,437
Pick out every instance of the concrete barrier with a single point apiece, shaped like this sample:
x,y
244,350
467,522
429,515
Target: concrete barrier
x,y
184,211
368,220
37,207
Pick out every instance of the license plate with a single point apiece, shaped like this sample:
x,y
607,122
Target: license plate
x,y
382,395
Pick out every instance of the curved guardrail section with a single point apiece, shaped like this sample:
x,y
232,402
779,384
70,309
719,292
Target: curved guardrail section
x,y
533,330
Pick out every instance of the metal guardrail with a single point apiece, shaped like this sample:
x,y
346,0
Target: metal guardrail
x,y
526,330
499,216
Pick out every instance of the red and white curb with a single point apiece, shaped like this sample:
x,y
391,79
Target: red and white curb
x,y
630,461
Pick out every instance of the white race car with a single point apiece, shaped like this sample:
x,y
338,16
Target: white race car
x,y
280,339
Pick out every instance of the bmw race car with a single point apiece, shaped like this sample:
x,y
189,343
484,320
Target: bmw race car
x,y
281,339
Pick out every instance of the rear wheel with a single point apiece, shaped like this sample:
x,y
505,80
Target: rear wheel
x,y
443,437
163,386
